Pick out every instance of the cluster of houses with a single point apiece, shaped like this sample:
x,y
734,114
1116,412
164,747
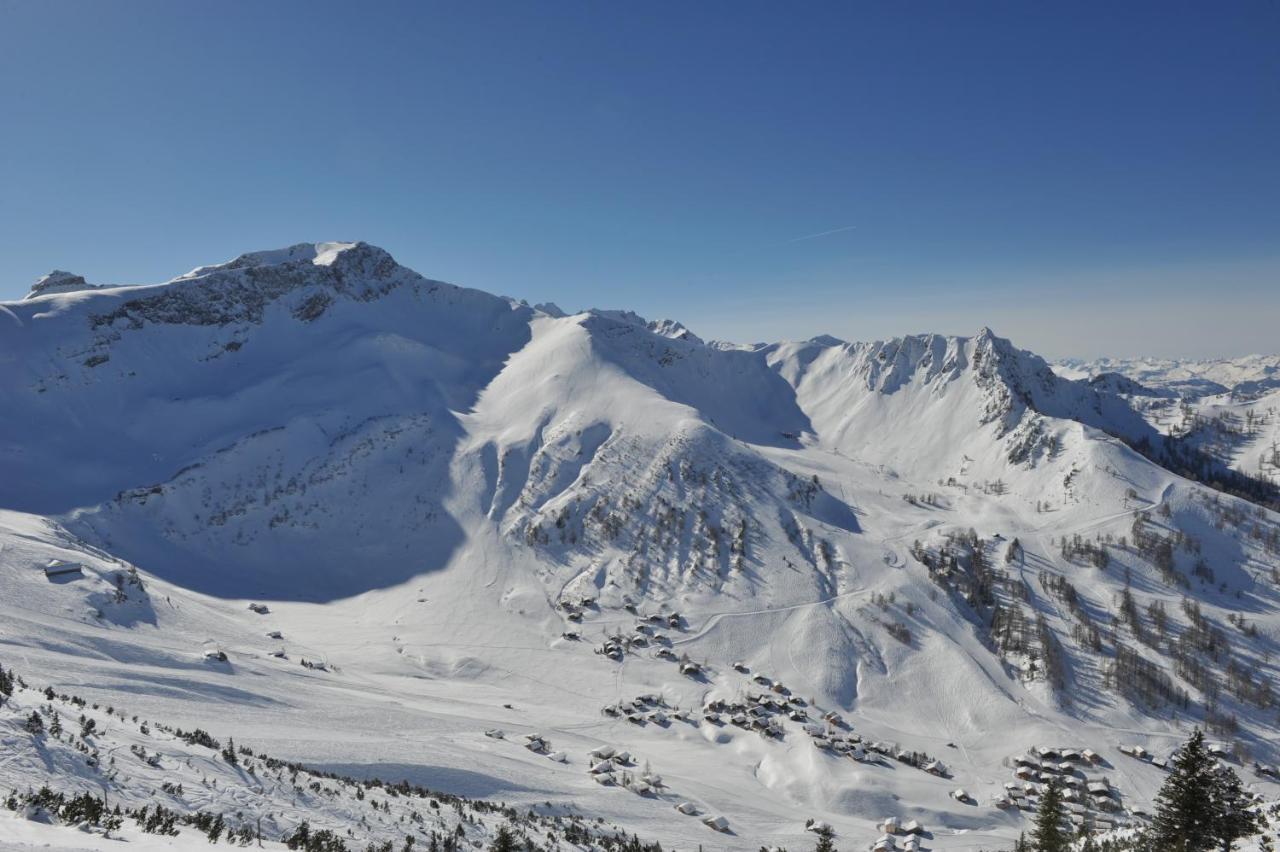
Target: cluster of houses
x,y
645,709
647,633
1081,794
612,767
834,736
536,743
892,828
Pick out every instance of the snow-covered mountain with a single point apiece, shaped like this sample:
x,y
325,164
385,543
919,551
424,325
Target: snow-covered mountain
x,y
1188,378
467,513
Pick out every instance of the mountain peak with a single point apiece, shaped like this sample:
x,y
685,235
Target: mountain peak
x,y
319,254
59,281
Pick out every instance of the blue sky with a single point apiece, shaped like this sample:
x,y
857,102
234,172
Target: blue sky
x,y
1085,178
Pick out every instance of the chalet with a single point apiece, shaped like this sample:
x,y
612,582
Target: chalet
x,y
603,778
716,823
1048,753
762,680
571,635
741,667
687,808
275,634
601,768
690,669
260,609
667,654
214,655
885,844
1026,773
911,844
57,569
673,620
1091,756
960,794
602,753
936,767
889,825
558,757
640,788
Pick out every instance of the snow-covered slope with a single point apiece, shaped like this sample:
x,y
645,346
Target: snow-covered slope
x,y
466,513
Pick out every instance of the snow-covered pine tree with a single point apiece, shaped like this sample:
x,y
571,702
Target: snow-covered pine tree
x,y
1186,812
1234,818
504,840
1049,835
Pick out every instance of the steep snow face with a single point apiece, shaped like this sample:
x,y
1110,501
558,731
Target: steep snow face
x,y
926,404
121,389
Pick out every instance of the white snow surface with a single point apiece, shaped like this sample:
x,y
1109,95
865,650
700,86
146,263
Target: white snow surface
x,y
414,478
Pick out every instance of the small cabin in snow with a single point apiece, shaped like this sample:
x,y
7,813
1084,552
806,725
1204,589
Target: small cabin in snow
x,y
716,823
60,570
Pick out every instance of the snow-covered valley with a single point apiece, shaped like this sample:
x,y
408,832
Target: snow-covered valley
x,y
362,520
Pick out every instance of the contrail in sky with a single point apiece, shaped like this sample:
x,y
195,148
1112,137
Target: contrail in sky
x,y
823,234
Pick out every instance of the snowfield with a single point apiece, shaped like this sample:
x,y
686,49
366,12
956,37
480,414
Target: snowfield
x,y
362,520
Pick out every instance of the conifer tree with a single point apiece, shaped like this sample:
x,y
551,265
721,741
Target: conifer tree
x,y
1186,816
1234,818
1049,835
826,840
504,840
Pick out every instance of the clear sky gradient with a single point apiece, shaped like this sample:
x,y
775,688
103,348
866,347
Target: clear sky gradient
x,y
1086,179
